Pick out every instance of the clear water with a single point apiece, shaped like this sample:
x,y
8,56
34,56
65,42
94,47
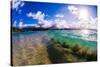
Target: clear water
x,y
83,37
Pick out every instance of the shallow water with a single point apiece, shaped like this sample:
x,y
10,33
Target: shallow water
x,y
31,48
83,37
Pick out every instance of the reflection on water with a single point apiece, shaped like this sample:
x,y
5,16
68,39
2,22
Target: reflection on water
x,y
87,35
83,34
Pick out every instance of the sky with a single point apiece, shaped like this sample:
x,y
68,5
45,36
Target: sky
x,y
59,15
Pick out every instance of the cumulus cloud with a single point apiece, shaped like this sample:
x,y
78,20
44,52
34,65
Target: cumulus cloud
x,y
93,22
61,24
85,24
39,15
84,20
22,4
59,15
89,23
22,25
17,3
47,24
14,24
81,24
73,9
31,25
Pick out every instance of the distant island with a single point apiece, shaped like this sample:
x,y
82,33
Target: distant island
x,y
26,29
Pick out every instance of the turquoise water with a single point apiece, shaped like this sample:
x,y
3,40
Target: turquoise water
x,y
83,37
73,37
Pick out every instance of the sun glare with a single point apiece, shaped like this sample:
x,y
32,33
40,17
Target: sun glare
x,y
84,32
83,14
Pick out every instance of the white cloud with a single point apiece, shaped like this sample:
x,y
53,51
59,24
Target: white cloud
x,y
59,15
61,24
39,15
31,25
82,24
58,23
73,9
22,25
14,24
30,14
85,21
47,23
85,24
16,4
22,4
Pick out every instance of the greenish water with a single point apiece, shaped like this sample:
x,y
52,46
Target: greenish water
x,y
83,37
70,37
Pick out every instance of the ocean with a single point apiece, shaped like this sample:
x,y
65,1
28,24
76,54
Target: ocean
x,y
83,37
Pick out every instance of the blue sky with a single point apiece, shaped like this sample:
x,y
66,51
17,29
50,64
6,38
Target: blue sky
x,y
26,13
